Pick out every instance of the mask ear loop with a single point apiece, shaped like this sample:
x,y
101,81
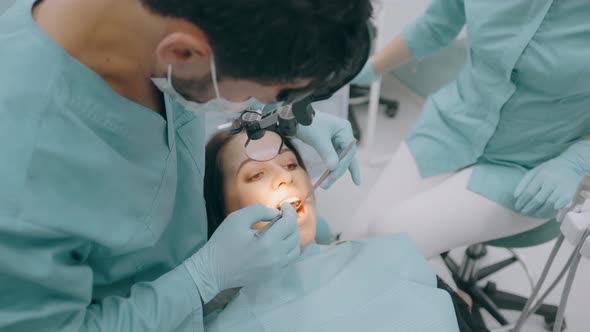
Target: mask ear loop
x,y
214,75
170,74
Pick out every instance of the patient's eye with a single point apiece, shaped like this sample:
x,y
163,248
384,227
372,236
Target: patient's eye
x,y
256,177
288,161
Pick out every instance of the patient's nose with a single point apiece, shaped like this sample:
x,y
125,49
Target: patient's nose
x,y
282,177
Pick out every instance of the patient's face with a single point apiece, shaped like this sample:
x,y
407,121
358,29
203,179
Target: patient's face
x,y
271,183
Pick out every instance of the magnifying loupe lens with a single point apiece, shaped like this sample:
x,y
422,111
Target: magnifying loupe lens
x,y
266,148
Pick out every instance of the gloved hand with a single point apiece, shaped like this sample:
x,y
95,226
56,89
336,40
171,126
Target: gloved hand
x,y
233,257
329,135
367,75
552,185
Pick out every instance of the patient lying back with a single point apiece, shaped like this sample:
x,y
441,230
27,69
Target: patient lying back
x,y
327,286
233,182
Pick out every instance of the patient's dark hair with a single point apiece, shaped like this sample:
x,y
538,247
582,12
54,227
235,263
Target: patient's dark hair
x,y
213,183
277,41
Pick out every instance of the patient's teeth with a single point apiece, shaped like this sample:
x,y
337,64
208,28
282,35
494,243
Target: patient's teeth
x,y
295,203
290,200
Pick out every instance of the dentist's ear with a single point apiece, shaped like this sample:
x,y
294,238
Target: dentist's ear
x,y
188,52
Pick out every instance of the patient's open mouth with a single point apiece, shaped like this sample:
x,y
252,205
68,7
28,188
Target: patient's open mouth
x,y
297,204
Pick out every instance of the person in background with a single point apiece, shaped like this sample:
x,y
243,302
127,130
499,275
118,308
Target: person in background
x,y
500,149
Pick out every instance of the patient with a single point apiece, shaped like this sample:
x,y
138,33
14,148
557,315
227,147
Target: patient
x,y
233,181
246,182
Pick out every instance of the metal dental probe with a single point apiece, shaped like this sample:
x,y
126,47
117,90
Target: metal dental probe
x,y
323,178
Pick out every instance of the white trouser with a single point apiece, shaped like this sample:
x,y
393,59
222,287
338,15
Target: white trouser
x,y
439,212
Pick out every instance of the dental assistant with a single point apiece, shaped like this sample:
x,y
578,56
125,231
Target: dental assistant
x,y
498,150
102,104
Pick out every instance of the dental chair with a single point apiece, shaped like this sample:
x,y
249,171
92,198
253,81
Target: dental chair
x,y
469,274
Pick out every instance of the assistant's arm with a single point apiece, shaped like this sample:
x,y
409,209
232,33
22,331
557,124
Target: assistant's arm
x,y
435,29
45,287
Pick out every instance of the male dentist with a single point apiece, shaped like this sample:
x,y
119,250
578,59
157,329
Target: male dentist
x,y
102,103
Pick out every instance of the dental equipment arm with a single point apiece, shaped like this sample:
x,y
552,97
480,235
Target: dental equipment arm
x,y
580,197
575,220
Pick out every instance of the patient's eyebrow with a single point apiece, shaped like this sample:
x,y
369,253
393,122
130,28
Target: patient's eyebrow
x,y
242,164
283,150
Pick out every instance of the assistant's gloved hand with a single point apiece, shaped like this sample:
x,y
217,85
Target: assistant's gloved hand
x,y
329,135
233,257
552,185
367,75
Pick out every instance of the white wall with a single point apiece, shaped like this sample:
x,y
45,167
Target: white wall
x,y
393,15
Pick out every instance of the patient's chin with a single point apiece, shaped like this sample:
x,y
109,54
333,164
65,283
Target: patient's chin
x,y
306,236
259,225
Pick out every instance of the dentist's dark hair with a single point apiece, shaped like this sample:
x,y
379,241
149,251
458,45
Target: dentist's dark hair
x,y
213,184
278,41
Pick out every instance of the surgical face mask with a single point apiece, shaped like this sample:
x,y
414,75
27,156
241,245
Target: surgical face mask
x,y
218,104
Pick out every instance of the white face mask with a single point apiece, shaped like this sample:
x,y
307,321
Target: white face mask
x,y
218,104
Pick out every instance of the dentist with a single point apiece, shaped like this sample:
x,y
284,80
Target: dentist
x,y
102,218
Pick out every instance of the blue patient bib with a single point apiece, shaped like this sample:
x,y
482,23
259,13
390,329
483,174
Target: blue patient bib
x,y
380,284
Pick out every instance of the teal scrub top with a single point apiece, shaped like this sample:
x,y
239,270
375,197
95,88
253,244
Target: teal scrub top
x,y
522,98
101,199
379,284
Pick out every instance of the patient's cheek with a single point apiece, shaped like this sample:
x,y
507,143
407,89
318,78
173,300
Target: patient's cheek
x,y
259,225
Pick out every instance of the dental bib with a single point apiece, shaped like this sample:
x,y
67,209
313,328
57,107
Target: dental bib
x,y
379,284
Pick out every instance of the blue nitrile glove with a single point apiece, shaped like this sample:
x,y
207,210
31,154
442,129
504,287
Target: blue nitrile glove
x,y
329,135
367,75
234,257
552,185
